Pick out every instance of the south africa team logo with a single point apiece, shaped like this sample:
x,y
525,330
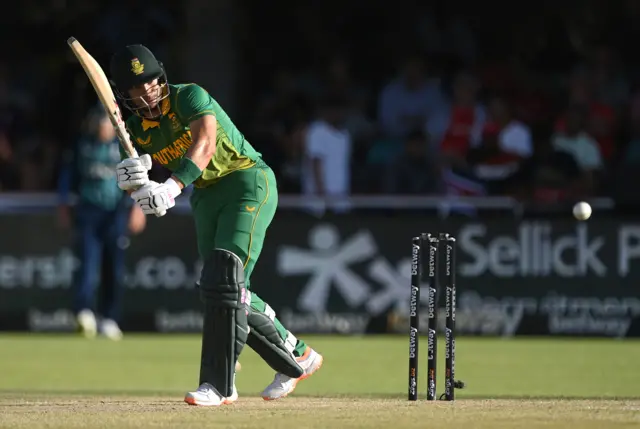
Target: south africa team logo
x,y
136,67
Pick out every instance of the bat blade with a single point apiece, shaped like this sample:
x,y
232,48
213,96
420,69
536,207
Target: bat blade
x,y
102,87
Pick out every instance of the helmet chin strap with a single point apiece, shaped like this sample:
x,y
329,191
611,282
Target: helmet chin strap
x,y
147,112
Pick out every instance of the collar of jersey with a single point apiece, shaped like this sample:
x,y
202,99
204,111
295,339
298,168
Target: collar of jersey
x,y
148,123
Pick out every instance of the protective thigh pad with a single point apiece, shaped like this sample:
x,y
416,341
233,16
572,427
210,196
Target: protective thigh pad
x,y
225,328
265,340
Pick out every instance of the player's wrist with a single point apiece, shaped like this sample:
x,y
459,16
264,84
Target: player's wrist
x,y
187,172
173,186
175,179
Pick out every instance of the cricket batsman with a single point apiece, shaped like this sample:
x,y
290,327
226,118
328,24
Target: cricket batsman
x,y
234,200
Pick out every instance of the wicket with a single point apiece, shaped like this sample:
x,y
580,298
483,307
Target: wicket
x,y
435,243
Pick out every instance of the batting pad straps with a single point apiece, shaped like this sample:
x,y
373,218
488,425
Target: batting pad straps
x,y
269,312
265,340
291,341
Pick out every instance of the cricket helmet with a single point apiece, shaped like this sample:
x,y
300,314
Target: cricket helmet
x,y
132,66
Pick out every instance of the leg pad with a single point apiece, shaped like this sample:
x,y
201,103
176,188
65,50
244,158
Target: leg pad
x,y
225,327
265,340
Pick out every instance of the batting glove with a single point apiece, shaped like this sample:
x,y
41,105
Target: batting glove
x,y
132,172
156,198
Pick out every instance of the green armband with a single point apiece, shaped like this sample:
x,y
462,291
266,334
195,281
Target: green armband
x,y
187,172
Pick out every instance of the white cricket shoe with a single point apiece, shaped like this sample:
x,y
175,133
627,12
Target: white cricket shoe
x,y
208,396
87,323
282,385
110,329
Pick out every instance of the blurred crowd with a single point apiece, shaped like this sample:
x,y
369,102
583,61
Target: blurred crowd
x,y
45,97
539,101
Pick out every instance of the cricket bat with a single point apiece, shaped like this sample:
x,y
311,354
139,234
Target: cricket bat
x,y
105,94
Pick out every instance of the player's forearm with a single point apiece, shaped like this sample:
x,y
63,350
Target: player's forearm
x,y
203,147
202,151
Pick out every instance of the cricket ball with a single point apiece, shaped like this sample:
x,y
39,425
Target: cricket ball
x,y
582,211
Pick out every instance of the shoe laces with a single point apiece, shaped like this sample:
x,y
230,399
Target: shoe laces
x,y
205,388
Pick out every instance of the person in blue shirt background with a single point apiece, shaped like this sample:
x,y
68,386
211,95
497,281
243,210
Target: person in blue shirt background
x,y
103,217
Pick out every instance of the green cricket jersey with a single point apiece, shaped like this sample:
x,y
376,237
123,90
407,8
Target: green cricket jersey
x,y
168,139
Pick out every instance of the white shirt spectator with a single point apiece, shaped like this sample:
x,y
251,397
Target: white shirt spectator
x,y
515,138
582,147
332,147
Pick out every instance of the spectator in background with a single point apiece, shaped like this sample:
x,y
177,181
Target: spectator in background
x,y
339,82
576,141
415,170
456,128
453,130
547,177
506,142
102,215
601,118
327,153
513,136
408,101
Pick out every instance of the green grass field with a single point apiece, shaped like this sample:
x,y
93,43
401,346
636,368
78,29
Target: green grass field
x,y
57,381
